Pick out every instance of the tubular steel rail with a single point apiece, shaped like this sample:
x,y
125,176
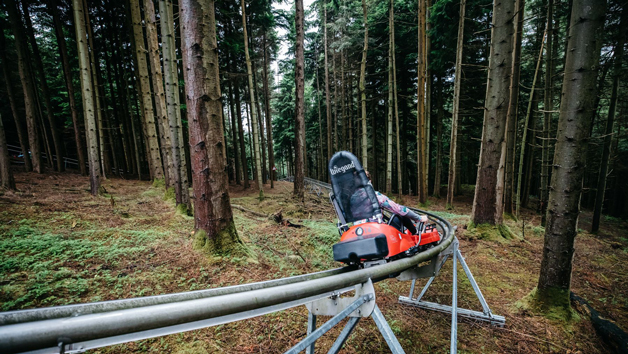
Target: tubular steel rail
x,y
76,328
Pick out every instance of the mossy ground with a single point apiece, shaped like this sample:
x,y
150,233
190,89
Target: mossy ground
x,y
60,245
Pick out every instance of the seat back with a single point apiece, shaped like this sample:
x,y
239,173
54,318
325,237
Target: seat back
x,y
354,195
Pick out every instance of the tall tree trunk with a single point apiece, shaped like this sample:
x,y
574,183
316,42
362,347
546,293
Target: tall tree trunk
x,y
171,92
299,126
156,170
397,131
420,123
234,134
511,125
213,218
524,138
453,146
389,121
30,99
321,167
489,188
95,70
363,87
269,120
19,125
343,103
547,108
336,120
327,98
576,113
608,134
172,100
256,148
6,176
245,166
438,167
428,95
67,74
161,110
88,98
58,144
260,123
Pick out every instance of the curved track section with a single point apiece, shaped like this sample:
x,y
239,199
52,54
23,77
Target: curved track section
x,y
133,319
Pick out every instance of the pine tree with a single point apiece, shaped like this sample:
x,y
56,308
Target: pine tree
x,y
574,123
215,230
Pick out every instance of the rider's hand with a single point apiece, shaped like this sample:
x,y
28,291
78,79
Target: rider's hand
x,y
423,218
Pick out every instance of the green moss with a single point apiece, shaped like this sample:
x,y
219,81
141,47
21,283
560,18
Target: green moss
x,y
183,210
261,195
159,183
226,243
552,303
489,232
169,195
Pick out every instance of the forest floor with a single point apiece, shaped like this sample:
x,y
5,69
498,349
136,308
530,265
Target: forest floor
x,y
59,245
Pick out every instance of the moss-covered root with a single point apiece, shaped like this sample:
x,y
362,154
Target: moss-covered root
x,y
489,232
552,303
261,195
225,243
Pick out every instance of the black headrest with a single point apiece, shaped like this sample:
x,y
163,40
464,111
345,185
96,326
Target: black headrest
x,y
352,188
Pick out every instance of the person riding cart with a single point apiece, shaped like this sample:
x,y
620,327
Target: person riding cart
x,y
367,233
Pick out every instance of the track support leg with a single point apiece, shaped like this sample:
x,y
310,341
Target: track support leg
x,y
311,327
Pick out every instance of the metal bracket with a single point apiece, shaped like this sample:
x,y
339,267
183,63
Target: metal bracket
x,y
431,269
335,304
362,304
485,315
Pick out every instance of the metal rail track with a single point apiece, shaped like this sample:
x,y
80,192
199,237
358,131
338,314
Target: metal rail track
x,y
94,325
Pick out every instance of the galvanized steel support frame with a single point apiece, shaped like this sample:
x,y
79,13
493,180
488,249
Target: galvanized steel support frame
x,y
486,314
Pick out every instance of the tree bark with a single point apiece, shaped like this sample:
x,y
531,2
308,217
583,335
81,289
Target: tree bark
x,y
389,122
511,125
363,87
576,113
88,97
6,175
489,188
256,148
213,218
95,71
161,111
56,139
327,98
155,164
30,100
428,95
547,115
234,133
438,168
608,134
420,123
299,126
67,73
269,120
245,165
453,146
524,138
21,134
172,99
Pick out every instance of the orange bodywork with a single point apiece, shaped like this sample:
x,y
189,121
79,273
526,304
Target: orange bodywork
x,y
397,241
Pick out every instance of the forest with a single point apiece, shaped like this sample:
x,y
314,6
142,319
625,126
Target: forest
x,y
168,136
